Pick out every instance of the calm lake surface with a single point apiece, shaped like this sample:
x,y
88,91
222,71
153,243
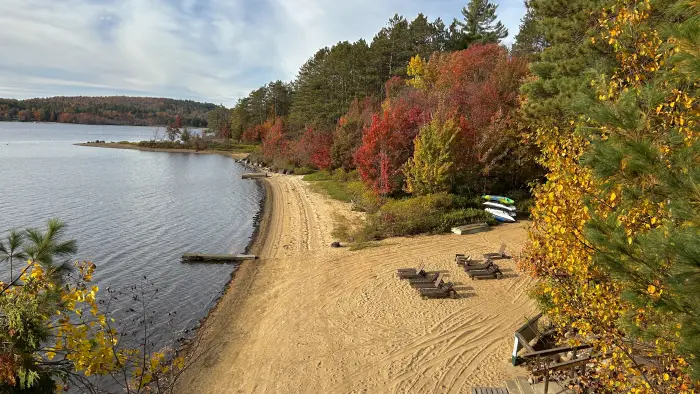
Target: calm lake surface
x,y
133,213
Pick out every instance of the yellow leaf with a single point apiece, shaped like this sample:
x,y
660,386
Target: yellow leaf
x,y
651,289
613,196
666,377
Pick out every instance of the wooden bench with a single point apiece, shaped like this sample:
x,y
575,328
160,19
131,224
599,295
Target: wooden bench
x,y
471,228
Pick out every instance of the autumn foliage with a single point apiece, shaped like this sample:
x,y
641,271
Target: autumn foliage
x,y
614,223
387,144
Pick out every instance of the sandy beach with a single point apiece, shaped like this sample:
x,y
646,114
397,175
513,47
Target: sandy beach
x,y
310,318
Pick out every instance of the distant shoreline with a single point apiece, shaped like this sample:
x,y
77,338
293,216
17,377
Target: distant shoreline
x,y
234,155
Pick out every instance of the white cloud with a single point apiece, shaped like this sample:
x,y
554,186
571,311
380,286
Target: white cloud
x,y
208,50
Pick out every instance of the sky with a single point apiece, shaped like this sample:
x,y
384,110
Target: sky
x,y
204,50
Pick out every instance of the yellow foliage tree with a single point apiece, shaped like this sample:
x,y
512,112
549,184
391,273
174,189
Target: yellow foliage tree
x,y
431,170
56,331
416,71
608,221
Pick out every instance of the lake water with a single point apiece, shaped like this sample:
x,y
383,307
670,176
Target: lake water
x,y
132,213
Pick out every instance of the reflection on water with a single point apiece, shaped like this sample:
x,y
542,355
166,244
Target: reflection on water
x,y
133,213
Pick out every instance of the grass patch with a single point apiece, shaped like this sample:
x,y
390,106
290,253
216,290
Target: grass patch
x,y
318,176
197,144
336,190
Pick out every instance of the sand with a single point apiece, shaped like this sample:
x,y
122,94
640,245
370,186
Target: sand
x,y
310,318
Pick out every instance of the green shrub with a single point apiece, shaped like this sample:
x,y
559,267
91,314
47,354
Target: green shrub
x,y
303,171
362,198
523,207
475,202
411,216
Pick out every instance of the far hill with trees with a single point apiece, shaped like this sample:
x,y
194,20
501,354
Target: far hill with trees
x,y
108,110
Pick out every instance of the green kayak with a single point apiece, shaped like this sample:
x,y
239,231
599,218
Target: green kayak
x,y
501,199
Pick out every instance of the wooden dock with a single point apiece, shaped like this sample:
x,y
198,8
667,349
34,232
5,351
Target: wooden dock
x,y
216,258
253,175
471,228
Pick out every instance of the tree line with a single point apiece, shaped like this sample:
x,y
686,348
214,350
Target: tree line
x,y
360,105
113,110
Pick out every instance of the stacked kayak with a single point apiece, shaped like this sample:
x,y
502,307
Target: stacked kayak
x,y
500,207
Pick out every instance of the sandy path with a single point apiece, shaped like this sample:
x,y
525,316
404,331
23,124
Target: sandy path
x,y
309,318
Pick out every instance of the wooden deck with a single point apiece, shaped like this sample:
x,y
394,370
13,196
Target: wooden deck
x,y
489,390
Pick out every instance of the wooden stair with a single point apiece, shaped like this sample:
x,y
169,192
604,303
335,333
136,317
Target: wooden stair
x,y
520,385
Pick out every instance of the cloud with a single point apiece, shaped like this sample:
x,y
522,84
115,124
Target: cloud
x,y
206,50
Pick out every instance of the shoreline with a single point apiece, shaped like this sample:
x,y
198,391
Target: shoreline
x,y
306,315
244,271
233,155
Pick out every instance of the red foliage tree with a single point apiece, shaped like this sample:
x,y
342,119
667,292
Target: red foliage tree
x,y
178,122
274,145
254,133
348,135
387,144
478,86
66,117
312,149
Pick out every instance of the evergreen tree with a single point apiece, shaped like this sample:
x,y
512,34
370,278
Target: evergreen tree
x,y
565,27
530,41
479,25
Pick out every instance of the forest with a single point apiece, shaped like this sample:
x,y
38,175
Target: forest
x,y
115,110
359,107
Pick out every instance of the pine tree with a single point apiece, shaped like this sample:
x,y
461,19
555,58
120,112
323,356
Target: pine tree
x,y
645,152
565,28
479,25
530,41
615,240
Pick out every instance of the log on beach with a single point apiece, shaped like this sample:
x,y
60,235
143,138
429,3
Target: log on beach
x,y
216,258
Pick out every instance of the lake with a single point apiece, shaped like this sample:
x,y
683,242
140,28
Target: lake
x,y
132,213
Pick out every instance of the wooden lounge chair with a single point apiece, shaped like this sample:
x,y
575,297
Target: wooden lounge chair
x,y
501,254
461,260
444,291
412,275
475,266
431,285
492,272
411,270
428,278
459,257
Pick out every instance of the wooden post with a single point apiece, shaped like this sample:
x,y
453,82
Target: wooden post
x,y
514,358
546,382
573,369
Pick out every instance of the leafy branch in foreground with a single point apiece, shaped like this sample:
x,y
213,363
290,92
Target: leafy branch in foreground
x,y
55,334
